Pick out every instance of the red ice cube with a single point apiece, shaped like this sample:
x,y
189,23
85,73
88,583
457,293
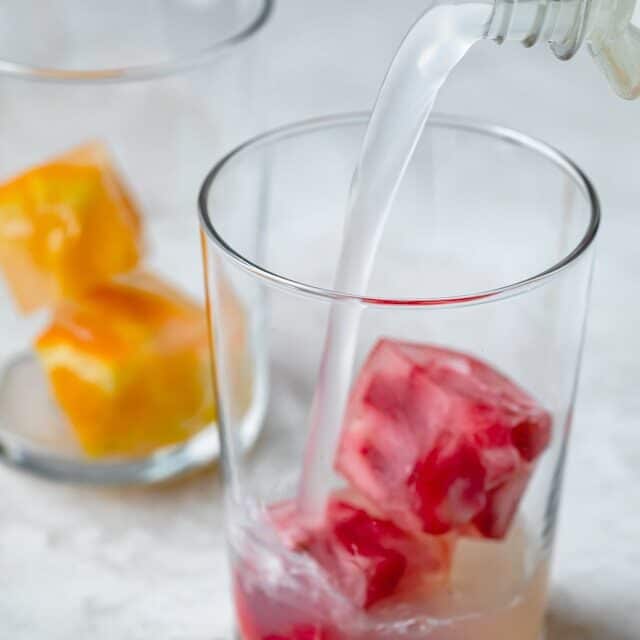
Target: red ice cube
x,y
360,552
438,440
367,557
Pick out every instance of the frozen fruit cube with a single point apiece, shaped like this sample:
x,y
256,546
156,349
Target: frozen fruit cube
x,y
361,551
367,556
448,486
436,438
128,364
65,226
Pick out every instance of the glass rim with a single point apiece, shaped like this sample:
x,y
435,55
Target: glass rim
x,y
542,149
142,71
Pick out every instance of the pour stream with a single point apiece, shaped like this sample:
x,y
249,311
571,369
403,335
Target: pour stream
x,y
429,53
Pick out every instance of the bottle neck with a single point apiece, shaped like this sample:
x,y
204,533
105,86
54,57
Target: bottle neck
x,y
564,24
610,27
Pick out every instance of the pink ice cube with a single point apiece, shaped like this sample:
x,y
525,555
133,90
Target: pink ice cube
x,y
438,440
367,557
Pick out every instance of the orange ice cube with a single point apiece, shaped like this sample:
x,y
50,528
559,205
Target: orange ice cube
x,y
65,226
129,365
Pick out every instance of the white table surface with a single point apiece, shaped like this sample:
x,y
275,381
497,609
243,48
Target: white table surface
x,y
142,564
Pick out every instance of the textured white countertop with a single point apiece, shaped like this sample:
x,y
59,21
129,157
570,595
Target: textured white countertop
x,y
149,563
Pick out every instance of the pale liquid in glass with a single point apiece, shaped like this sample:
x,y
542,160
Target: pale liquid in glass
x,y
492,593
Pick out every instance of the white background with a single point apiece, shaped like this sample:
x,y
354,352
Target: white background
x,y
138,564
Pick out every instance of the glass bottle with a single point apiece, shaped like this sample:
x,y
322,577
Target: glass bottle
x,y
610,28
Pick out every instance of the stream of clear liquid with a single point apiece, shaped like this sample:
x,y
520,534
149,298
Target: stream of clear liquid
x,y
429,53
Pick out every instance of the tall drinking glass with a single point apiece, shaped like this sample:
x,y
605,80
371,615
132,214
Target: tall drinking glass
x,y
111,114
444,496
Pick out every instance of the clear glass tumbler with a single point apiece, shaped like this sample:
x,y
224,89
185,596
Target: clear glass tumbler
x,y
444,496
111,114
